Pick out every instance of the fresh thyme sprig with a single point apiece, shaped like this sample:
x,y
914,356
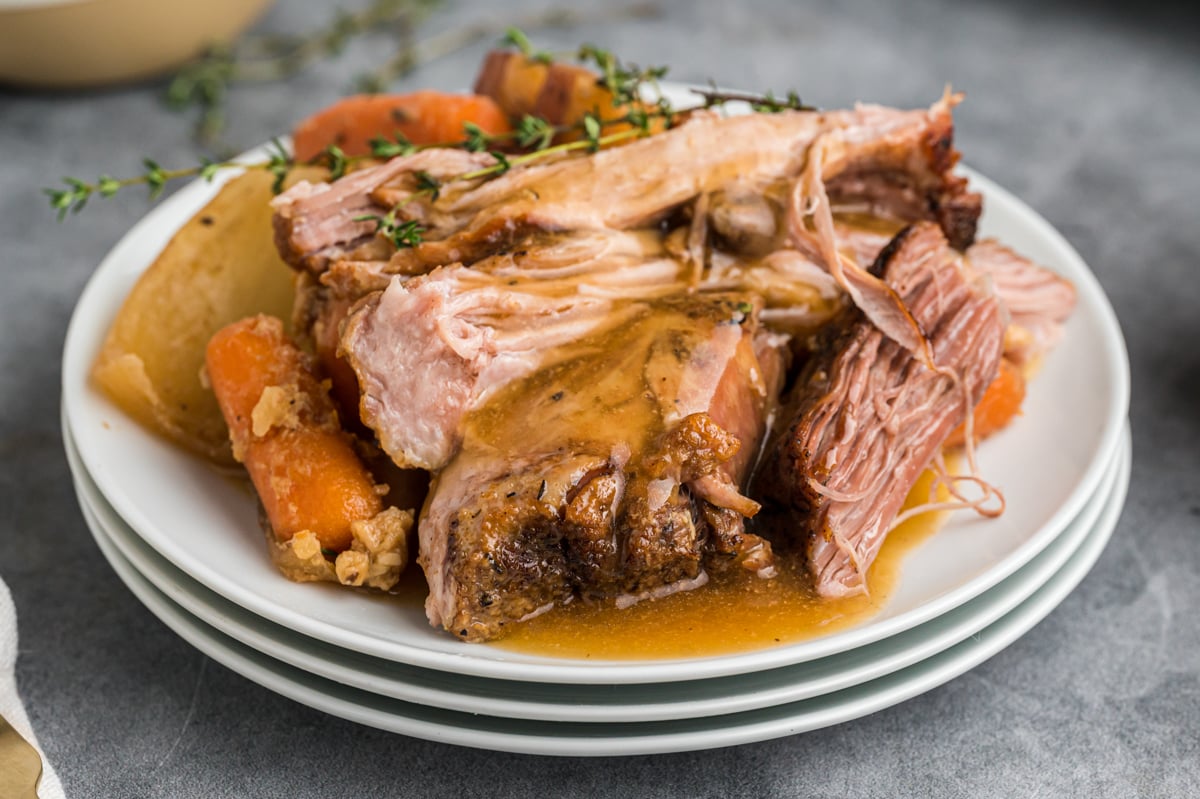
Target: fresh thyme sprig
x,y
406,234
76,194
204,83
428,184
591,143
765,103
625,82
401,234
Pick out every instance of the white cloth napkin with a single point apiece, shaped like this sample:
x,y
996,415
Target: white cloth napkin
x,y
10,703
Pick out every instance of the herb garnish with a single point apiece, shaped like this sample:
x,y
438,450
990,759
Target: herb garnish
x,y
400,234
203,85
627,83
765,103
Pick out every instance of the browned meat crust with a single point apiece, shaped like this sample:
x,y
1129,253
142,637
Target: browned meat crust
x,y
577,527
908,177
615,494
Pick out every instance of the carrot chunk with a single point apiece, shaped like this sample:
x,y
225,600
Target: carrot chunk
x,y
424,117
514,81
560,93
284,429
1000,403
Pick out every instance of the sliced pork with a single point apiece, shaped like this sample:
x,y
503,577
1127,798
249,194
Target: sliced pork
x,y
428,351
317,224
587,350
866,416
869,151
904,174
1038,300
614,474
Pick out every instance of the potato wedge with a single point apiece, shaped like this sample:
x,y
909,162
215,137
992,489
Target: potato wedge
x,y
219,267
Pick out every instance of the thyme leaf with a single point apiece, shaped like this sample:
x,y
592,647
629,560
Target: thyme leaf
x,y
515,37
476,140
401,234
399,144
279,163
208,171
591,129
503,164
428,184
534,132
335,159
155,177
765,103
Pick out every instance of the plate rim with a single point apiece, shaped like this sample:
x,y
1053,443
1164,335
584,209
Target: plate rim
x,y
806,715
769,687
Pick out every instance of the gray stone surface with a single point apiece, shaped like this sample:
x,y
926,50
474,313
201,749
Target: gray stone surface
x,y
1090,114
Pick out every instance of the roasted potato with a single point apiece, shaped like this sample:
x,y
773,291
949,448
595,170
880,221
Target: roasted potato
x,y
219,267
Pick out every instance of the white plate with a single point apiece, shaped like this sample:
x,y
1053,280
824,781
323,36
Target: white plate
x,y
1048,464
588,703
574,739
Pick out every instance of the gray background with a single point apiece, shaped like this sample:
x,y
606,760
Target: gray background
x,y
1091,115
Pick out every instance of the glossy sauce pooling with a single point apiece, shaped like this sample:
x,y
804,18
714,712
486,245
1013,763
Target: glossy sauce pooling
x,y
737,612
606,390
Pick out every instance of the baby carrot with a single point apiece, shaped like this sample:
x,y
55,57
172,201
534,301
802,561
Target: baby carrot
x,y
1000,403
558,92
424,117
284,429
513,80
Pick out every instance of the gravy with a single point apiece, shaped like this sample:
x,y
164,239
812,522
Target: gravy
x,y
736,612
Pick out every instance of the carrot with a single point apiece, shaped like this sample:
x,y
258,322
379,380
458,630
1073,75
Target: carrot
x,y
560,93
424,117
284,429
1000,403
513,80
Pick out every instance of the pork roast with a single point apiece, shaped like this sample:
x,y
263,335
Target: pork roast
x,y
866,416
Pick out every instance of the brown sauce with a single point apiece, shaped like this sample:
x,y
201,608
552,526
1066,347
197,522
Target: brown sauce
x,y
737,613
596,394
869,223
605,389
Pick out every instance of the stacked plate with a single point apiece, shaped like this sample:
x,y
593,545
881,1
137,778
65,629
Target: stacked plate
x,y
186,541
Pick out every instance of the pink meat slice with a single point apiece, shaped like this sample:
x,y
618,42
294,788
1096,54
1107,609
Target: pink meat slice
x,y
429,350
628,187
1038,300
866,417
